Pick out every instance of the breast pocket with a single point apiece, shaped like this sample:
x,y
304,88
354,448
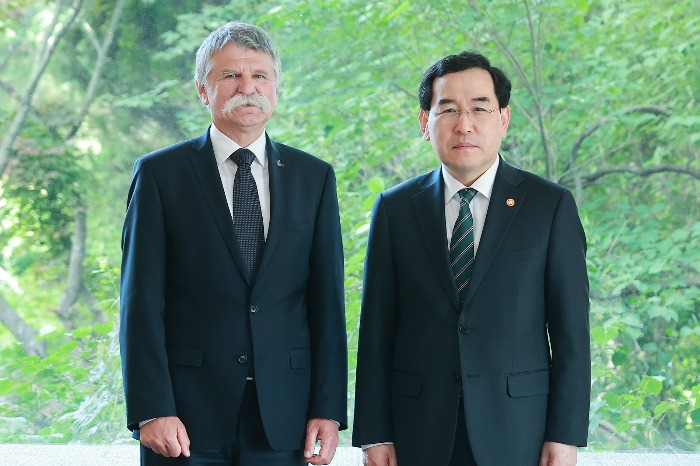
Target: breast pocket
x,y
518,255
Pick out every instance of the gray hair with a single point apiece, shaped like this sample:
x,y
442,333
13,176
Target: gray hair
x,y
244,35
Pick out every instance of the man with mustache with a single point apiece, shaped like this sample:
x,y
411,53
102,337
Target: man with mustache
x,y
474,338
232,305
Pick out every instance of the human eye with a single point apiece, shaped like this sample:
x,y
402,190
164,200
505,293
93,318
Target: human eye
x,y
479,109
446,111
260,74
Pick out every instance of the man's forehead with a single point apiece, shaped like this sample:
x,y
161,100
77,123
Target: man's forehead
x,y
472,79
471,84
233,51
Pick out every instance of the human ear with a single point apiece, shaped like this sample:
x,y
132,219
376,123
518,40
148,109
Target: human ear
x,y
423,120
202,92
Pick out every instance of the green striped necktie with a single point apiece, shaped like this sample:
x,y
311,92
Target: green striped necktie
x,y
462,243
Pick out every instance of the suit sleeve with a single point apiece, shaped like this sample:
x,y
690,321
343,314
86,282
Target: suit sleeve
x,y
326,307
146,377
567,308
378,323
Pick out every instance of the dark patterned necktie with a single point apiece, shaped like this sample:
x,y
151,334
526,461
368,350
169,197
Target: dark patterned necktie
x,y
247,215
462,243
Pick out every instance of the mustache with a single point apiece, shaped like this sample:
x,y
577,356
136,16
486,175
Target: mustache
x,y
241,100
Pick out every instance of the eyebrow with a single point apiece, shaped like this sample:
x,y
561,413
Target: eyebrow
x,y
452,101
262,71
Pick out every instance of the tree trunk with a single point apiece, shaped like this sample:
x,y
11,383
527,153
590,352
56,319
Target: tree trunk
x,y
75,267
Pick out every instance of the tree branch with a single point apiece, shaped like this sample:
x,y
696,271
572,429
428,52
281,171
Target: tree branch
x,y
49,44
610,428
25,334
578,183
590,179
653,109
100,61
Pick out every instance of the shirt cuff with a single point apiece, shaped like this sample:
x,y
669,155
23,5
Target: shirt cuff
x,y
145,422
370,445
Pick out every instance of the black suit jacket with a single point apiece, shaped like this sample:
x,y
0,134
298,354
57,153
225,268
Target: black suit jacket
x,y
191,323
419,348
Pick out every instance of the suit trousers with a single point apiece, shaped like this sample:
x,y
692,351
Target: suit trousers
x,y
461,450
249,448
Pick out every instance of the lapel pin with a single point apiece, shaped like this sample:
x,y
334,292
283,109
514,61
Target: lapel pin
x,y
510,202
279,163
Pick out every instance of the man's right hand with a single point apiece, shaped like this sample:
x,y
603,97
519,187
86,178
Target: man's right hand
x,y
166,436
380,455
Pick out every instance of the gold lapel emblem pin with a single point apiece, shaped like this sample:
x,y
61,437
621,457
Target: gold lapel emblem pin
x,y
510,202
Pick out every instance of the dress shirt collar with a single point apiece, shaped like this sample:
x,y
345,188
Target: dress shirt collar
x,y
224,146
483,184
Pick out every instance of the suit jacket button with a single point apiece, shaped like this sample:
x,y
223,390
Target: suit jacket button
x,y
463,329
253,309
243,359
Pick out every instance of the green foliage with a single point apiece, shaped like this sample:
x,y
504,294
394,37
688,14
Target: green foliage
x,y
585,75
645,329
73,395
40,194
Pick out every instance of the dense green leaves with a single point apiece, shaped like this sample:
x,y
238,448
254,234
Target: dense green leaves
x,y
604,101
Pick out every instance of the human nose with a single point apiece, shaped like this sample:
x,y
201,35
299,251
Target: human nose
x,y
464,125
246,85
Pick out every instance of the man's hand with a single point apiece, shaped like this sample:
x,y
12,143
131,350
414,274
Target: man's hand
x,y
380,455
166,436
326,431
557,454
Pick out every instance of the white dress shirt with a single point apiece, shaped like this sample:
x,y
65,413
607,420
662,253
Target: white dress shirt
x,y
479,205
223,148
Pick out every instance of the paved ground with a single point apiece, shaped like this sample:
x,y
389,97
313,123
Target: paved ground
x,y
116,455
127,455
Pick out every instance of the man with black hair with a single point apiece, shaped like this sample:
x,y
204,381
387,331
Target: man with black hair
x,y
474,334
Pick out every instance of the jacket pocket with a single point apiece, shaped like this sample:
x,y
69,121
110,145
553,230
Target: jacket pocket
x,y
299,358
185,356
405,384
528,383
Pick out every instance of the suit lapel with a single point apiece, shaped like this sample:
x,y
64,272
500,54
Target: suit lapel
x,y
204,164
276,162
499,219
429,207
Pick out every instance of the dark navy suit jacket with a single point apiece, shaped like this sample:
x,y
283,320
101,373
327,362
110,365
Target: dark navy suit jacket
x,y
191,324
517,348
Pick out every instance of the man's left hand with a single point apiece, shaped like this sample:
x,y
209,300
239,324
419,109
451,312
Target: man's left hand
x,y
326,431
557,454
